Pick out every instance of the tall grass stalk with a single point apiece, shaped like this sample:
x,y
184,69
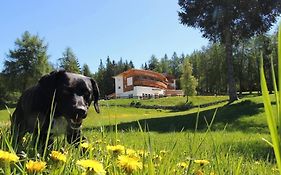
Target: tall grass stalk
x,y
273,115
52,113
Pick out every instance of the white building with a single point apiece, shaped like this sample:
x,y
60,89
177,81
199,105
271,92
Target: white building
x,y
144,84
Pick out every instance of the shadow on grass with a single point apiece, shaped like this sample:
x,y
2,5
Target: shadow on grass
x,y
253,150
227,114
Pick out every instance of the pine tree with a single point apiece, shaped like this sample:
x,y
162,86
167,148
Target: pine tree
x,y
153,63
131,65
86,70
69,62
110,71
99,77
175,65
145,66
164,65
26,63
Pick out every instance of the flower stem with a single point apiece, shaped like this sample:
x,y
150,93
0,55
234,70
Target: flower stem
x,y
7,168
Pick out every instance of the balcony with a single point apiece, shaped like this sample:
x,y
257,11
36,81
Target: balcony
x,y
150,83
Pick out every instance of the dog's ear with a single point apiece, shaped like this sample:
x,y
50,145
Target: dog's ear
x,y
96,95
49,81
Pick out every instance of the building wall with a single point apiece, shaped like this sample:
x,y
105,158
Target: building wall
x,y
119,85
140,91
128,94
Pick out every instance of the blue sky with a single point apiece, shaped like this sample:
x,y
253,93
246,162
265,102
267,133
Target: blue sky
x,y
131,29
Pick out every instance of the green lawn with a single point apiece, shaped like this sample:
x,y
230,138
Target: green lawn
x,y
225,150
233,145
245,114
168,101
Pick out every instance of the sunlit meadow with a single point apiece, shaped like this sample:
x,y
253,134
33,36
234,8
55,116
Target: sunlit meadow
x,y
219,139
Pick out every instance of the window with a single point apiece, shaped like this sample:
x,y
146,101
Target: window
x,y
130,81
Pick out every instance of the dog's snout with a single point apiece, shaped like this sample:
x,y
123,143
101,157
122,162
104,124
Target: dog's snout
x,y
81,112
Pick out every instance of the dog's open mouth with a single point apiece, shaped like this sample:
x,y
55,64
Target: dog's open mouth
x,y
76,123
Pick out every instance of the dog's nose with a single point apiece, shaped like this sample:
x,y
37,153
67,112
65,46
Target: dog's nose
x,y
81,112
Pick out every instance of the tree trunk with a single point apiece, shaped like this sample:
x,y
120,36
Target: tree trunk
x,y
229,61
240,77
250,78
241,71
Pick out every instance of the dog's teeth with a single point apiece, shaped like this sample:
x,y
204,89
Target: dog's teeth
x,y
76,128
75,121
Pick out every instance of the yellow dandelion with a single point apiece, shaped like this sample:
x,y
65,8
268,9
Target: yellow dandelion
x,y
131,152
201,162
99,141
163,152
118,149
35,166
157,158
199,172
129,164
92,165
142,153
58,156
183,165
85,145
8,157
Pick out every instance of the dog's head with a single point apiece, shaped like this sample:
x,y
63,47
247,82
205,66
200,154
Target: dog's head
x,y
73,94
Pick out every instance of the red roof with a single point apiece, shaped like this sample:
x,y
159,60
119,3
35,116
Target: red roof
x,y
137,72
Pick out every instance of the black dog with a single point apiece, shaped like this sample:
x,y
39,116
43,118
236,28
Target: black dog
x,y
60,93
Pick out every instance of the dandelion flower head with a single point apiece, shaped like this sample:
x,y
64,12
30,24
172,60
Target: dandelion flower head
x,y
131,153
35,166
201,162
92,165
8,157
129,164
85,145
118,149
183,165
58,156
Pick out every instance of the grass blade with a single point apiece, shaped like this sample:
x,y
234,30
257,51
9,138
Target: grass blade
x,y
52,113
271,119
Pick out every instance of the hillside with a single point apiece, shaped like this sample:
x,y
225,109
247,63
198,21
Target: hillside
x,y
244,115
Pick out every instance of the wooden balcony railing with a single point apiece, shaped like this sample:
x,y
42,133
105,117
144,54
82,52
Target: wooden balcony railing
x,y
150,83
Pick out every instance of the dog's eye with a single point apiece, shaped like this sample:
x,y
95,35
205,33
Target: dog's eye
x,y
87,93
83,92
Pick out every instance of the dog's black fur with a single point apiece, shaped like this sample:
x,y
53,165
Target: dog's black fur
x,y
70,94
